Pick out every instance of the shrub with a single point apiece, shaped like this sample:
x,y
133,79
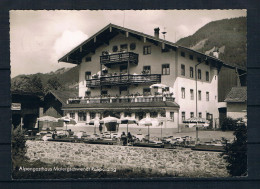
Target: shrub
x,y
236,152
18,145
228,124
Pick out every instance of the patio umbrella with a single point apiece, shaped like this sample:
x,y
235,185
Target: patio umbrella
x,y
159,85
196,120
109,119
67,121
47,118
147,122
94,122
127,120
110,123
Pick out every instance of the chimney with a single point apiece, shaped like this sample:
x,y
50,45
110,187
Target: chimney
x,y
216,52
156,32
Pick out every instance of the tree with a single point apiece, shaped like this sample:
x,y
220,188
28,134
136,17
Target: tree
x,y
236,152
36,84
53,84
228,124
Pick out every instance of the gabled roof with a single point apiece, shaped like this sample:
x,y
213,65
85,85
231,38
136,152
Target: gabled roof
x,y
62,96
237,94
104,35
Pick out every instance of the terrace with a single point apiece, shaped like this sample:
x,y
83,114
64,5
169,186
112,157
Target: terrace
x,y
123,99
124,80
119,58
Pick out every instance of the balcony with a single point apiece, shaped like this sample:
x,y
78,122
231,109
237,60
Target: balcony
x,y
124,80
119,58
123,99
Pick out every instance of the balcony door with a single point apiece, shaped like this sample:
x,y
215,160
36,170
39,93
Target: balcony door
x,y
123,90
123,69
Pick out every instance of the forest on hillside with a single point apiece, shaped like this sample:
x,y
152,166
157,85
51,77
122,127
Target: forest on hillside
x,y
230,33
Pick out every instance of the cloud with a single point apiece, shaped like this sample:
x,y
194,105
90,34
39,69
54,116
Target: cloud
x,y
67,41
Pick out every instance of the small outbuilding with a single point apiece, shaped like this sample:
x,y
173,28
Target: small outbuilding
x,y
237,102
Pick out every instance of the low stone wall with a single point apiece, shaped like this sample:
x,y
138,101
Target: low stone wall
x,y
185,163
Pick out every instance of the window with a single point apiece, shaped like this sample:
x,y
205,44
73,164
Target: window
x,y
199,74
127,114
132,46
147,91
191,114
88,59
191,72
183,54
123,69
153,114
183,69
115,48
82,116
183,93
87,93
123,90
172,116
191,94
92,115
166,89
199,59
207,96
87,75
199,95
123,48
166,69
72,115
147,69
191,57
200,115
103,92
207,62
163,114
183,116
147,50
207,76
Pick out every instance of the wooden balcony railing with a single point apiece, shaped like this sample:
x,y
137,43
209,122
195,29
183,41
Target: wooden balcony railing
x,y
119,58
122,99
124,79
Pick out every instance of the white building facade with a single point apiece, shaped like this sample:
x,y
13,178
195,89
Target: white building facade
x,y
118,67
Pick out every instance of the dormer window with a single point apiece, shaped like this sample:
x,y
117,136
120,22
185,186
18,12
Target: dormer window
x,y
123,48
115,48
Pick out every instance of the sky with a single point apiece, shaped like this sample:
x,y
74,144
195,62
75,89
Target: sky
x,y
39,38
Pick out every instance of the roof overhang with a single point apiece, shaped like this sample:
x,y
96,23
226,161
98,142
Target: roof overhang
x,y
103,37
110,31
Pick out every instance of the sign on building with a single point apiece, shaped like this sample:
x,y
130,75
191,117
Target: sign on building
x,y
16,106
